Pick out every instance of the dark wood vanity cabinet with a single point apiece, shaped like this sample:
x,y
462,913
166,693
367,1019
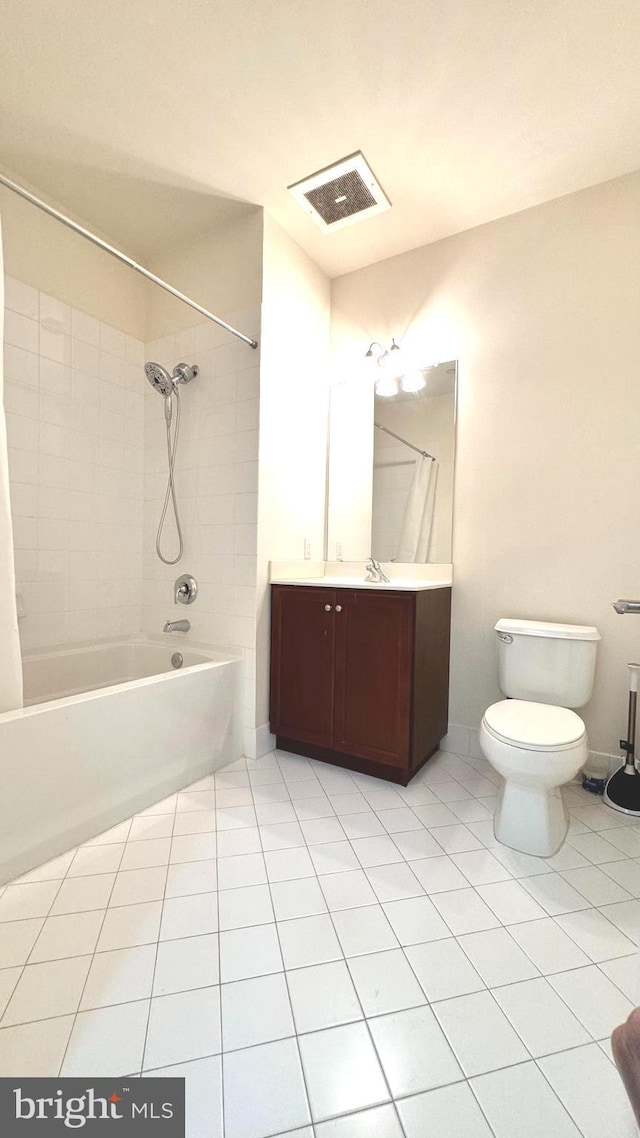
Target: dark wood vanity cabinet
x,y
360,677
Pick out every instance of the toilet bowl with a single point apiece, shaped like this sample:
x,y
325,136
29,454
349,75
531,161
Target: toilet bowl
x,y
536,747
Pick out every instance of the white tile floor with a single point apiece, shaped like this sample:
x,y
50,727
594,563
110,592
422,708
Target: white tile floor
x,y
325,955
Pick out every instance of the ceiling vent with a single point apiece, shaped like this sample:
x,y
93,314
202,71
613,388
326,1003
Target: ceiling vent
x,y
340,194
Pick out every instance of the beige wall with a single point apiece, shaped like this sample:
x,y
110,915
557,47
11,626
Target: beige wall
x,y
541,310
222,271
294,399
51,258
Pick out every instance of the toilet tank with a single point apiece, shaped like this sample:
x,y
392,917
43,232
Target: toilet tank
x,y
546,663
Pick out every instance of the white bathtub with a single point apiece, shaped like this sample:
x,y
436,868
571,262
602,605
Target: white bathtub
x,y
108,730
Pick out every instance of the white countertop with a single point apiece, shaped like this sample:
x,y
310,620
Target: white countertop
x,y
410,578
401,583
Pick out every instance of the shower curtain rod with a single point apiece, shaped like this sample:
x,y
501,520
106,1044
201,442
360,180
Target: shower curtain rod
x,y
95,240
400,439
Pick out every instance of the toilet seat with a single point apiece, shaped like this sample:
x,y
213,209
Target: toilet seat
x,y
534,726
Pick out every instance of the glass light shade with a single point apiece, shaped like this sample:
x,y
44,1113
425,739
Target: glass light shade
x,y
387,385
413,380
395,362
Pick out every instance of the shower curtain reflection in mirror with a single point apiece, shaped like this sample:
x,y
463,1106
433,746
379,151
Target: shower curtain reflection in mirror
x,y
417,524
413,458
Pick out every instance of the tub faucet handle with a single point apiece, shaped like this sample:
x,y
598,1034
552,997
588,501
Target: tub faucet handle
x,y
185,589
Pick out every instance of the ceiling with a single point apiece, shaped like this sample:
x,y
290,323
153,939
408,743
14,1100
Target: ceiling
x,y
154,121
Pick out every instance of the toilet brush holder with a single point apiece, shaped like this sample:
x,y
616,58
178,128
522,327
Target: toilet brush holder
x,y
622,791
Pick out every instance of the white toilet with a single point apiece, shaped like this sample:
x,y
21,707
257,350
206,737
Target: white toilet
x,y
532,738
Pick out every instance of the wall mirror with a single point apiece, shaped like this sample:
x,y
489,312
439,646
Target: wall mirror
x,y
391,471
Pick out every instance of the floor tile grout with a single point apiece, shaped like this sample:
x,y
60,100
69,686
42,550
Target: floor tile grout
x,y
360,787
155,959
77,1011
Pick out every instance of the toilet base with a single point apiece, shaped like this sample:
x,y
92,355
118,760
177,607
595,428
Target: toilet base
x,y
530,820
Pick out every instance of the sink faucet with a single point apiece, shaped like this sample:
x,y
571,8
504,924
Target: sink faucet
x,y
375,573
177,626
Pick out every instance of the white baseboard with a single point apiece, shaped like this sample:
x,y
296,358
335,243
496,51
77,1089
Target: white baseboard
x,y
265,741
459,741
612,761
258,741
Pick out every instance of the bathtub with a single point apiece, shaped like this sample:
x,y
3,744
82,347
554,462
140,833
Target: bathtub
x,y
106,730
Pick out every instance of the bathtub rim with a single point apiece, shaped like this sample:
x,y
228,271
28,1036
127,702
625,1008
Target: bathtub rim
x,y
215,658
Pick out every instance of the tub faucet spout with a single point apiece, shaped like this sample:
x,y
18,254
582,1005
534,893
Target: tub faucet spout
x,y
177,626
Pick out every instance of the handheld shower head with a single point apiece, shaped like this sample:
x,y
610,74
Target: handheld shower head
x,y
159,379
167,385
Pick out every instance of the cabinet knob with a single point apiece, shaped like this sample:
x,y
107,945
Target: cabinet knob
x,y
327,608
338,608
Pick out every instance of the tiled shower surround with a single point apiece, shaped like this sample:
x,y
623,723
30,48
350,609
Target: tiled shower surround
x,y
217,488
88,470
75,422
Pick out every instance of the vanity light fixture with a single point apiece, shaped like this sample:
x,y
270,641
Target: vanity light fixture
x,y
394,375
387,365
387,358
413,380
387,385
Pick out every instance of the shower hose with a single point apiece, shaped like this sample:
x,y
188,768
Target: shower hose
x,y
170,495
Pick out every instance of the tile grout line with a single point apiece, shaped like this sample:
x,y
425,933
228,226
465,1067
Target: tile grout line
x,y
364,1019
24,966
567,932
553,1089
157,945
93,954
286,982
219,943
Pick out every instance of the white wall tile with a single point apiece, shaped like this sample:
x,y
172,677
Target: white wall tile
x,y
85,356
62,484
54,376
54,314
85,327
21,331
20,399
54,345
20,365
112,341
22,432
216,475
88,473
21,297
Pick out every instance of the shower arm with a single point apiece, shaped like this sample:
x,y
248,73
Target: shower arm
x,y
623,607
120,256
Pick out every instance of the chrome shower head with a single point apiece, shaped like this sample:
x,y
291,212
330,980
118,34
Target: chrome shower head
x,y
159,379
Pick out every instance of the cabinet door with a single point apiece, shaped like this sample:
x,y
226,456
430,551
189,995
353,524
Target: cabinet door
x,y
374,636
302,650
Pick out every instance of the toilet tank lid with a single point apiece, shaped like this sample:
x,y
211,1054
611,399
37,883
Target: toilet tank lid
x,y
545,628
